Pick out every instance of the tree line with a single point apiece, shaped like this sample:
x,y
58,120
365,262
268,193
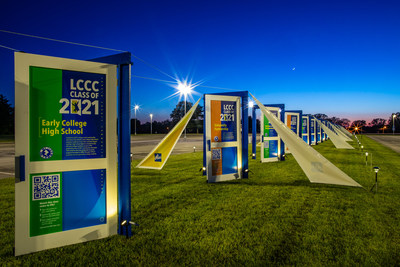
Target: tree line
x,y
195,125
6,116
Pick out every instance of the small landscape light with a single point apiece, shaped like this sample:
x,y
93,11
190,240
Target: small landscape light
x,y
376,169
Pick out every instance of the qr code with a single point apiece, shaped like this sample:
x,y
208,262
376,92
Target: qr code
x,y
216,154
46,186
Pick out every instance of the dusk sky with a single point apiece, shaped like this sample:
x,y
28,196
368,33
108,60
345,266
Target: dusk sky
x,y
340,58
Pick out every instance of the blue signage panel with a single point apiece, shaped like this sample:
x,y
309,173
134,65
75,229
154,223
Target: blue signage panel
x,y
312,131
273,148
223,121
84,198
83,115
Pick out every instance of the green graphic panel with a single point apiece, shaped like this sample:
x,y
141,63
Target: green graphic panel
x,y
45,213
45,91
266,127
266,152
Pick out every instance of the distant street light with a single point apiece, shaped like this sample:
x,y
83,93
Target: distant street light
x,y
184,89
151,123
394,117
136,108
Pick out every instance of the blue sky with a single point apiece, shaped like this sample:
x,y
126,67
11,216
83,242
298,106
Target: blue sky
x,y
340,58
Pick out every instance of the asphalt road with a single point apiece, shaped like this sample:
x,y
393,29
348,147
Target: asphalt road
x,y
141,145
6,160
391,141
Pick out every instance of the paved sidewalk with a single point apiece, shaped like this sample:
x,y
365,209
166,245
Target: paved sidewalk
x,y
391,141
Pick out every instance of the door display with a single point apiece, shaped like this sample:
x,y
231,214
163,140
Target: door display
x,y
223,138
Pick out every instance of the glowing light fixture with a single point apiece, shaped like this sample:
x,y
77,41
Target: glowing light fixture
x,y
185,89
136,108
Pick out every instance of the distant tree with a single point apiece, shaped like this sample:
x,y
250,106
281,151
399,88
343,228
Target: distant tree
x,y
357,125
133,126
375,125
7,116
321,116
162,126
378,122
196,122
335,120
179,111
346,123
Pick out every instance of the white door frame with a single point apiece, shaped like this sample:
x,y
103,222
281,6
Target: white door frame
x,y
24,243
212,144
267,139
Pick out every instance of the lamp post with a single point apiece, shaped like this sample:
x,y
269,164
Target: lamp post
x,y
185,114
151,123
136,108
184,89
393,128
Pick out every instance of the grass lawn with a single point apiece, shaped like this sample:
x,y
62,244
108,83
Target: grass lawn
x,y
275,217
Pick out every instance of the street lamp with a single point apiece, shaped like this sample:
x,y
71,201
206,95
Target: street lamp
x,y
185,89
394,117
136,108
151,123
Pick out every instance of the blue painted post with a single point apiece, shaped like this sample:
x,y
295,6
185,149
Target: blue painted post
x,y
245,135
204,137
254,133
124,153
123,60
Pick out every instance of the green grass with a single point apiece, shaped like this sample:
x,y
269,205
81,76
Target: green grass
x,y
275,217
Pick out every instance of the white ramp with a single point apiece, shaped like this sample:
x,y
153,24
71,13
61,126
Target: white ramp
x,y
335,128
316,167
337,140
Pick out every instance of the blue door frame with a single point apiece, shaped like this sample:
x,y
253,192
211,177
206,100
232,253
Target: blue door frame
x,y
123,60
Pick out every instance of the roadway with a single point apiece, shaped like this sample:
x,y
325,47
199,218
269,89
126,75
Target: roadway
x,y
390,141
141,145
